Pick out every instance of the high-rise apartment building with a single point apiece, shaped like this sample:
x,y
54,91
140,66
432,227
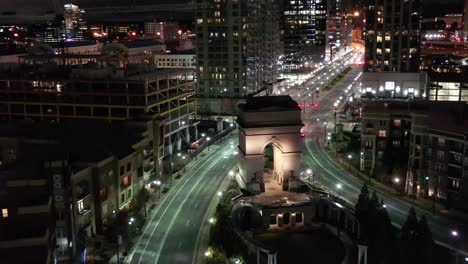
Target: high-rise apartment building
x,y
465,20
304,32
237,51
167,31
75,24
339,27
392,35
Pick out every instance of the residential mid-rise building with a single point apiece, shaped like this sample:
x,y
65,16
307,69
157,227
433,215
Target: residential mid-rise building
x,y
26,215
71,178
237,50
421,142
305,26
393,30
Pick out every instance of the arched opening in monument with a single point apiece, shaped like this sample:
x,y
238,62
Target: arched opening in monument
x,y
273,164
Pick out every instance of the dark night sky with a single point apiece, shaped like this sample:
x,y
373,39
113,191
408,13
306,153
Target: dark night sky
x,y
439,7
33,7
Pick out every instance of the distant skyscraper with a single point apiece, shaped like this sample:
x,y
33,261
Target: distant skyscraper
x,y
167,31
465,20
75,24
237,51
339,27
393,29
304,32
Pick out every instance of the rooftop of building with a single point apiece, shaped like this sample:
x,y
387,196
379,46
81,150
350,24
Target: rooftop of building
x,y
141,43
79,141
450,117
269,104
89,71
35,254
70,44
179,52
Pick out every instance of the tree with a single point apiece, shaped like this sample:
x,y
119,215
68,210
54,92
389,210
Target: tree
x,y
362,205
378,230
416,239
216,257
427,242
115,53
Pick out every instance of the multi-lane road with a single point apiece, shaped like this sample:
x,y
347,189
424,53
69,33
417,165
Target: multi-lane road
x,y
173,228
329,173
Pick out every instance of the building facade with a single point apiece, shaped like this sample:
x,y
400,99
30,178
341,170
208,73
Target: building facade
x,y
448,87
237,50
176,60
425,144
91,169
165,31
76,27
305,26
393,30
396,85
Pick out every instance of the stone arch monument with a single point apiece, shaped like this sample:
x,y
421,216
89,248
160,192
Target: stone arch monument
x,y
263,121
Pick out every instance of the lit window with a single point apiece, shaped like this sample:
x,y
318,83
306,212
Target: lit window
x,y
4,212
397,122
382,133
80,206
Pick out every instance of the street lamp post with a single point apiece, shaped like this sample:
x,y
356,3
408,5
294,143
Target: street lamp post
x,y
325,130
456,237
158,186
426,187
143,189
396,181
338,187
309,173
208,142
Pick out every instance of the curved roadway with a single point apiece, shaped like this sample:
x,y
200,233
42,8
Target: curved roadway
x,y
173,228
330,173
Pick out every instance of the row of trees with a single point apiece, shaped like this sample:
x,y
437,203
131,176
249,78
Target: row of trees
x,y
413,244
224,241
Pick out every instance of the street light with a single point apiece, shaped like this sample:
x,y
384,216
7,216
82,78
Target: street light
x,y
208,140
220,193
158,184
339,186
396,180
456,236
211,220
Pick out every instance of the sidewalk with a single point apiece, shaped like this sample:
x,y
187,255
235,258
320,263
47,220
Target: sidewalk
x,y
154,202
421,203
203,237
